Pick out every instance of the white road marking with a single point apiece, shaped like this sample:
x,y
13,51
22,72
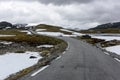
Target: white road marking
x,y
68,46
117,59
58,58
64,52
106,53
41,69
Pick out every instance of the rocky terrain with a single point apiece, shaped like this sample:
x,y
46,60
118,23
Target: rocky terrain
x,y
17,47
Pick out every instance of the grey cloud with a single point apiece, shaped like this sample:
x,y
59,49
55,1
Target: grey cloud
x,y
94,13
72,15
59,2
56,2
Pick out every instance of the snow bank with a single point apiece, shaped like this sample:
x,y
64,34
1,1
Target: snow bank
x,y
11,63
106,34
74,34
77,34
69,35
107,38
66,30
6,35
51,33
31,24
115,49
46,46
6,42
26,31
37,30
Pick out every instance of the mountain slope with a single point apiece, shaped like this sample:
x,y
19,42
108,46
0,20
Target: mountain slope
x,y
107,25
5,24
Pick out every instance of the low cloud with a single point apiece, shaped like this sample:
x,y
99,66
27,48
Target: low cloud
x,y
56,2
63,2
84,14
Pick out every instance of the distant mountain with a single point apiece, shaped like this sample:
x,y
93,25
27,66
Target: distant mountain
x,y
20,25
5,24
8,25
107,26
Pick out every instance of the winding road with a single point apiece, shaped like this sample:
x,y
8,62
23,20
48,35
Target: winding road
x,y
80,62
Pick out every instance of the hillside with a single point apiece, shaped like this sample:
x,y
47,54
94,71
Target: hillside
x,y
104,28
5,24
107,25
8,25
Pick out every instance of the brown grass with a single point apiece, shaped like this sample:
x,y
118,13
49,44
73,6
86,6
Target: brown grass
x,y
50,28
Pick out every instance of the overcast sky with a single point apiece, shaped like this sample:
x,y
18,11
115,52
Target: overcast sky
x,y
81,14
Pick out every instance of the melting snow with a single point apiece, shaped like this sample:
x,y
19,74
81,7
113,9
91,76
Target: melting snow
x,y
28,32
31,24
74,34
115,49
6,43
106,37
11,63
46,46
40,30
66,30
77,34
51,33
6,35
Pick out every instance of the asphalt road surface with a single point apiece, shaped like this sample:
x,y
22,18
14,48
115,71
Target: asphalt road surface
x,y
80,62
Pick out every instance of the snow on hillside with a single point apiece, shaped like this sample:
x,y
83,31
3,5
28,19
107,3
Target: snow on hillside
x,y
56,34
5,42
107,38
51,33
66,30
115,49
31,24
106,34
26,31
74,34
77,34
6,35
37,30
45,46
11,63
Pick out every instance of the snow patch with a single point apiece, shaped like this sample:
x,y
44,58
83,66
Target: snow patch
x,y
6,35
106,37
5,42
46,46
31,24
74,34
69,35
105,34
115,49
51,33
37,30
77,34
26,31
66,30
11,63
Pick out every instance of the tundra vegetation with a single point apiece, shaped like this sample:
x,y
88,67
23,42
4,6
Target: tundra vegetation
x,y
22,42
50,28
